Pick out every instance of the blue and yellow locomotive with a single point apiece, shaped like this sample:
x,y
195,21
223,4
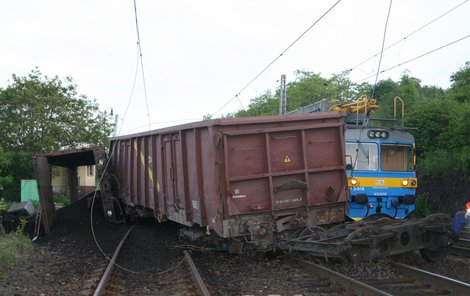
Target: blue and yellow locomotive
x,y
381,175
380,160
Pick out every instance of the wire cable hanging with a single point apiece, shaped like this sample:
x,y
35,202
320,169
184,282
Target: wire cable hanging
x,y
273,61
382,50
139,45
139,58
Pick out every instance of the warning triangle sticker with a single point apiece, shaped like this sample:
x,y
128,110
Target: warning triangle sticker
x,y
287,159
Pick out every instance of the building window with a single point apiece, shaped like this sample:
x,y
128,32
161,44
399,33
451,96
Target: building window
x,y
90,170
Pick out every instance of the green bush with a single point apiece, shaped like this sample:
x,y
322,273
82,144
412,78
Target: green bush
x,y
424,206
434,163
15,248
62,200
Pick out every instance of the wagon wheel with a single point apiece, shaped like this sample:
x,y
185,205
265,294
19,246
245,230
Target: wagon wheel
x,y
434,255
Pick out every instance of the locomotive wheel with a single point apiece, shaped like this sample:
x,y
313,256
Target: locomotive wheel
x,y
434,255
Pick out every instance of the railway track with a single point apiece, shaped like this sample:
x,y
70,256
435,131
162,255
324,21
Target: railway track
x,y
461,248
408,280
102,287
188,281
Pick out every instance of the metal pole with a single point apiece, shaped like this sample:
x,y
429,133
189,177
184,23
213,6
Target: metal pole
x,y
282,96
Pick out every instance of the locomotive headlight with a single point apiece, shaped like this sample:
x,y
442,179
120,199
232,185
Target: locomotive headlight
x,y
404,182
383,135
353,181
371,134
413,182
377,134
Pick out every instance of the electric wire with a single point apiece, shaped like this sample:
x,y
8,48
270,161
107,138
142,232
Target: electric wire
x,y
417,57
139,45
275,59
106,167
408,36
382,50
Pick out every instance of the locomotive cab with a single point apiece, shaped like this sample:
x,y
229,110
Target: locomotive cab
x,y
381,174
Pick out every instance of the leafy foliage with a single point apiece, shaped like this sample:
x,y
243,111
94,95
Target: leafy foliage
x,y
425,206
20,166
460,90
42,114
39,114
5,162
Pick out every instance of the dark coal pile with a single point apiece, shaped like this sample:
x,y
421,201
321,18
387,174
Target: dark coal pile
x,y
66,257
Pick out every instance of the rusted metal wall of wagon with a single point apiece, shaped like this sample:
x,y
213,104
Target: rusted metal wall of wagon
x,y
212,172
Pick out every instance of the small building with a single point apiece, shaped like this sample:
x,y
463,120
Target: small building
x,y
84,177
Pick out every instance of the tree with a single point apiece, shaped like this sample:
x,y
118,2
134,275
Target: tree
x,y
40,114
460,88
310,87
5,177
265,104
384,92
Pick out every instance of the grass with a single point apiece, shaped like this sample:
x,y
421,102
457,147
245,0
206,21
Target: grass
x,y
15,248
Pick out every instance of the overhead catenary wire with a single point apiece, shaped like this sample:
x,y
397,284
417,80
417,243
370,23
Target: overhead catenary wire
x,y
139,46
275,59
138,59
417,57
407,36
382,50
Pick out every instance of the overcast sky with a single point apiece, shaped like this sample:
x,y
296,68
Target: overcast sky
x,y
198,54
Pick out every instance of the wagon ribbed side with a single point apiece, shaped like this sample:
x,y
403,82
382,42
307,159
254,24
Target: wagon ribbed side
x,y
245,176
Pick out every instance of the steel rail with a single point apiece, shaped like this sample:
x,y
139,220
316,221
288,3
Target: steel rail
x,y
201,286
344,281
100,289
460,251
454,286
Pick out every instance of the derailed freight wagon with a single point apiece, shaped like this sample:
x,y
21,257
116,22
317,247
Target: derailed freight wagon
x,y
244,177
250,183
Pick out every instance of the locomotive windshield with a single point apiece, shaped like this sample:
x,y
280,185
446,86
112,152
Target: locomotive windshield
x,y
394,157
364,156
397,158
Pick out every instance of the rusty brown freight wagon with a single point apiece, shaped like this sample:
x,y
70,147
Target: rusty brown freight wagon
x,y
252,177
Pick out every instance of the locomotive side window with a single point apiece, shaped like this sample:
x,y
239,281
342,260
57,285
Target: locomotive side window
x,y
364,156
396,157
